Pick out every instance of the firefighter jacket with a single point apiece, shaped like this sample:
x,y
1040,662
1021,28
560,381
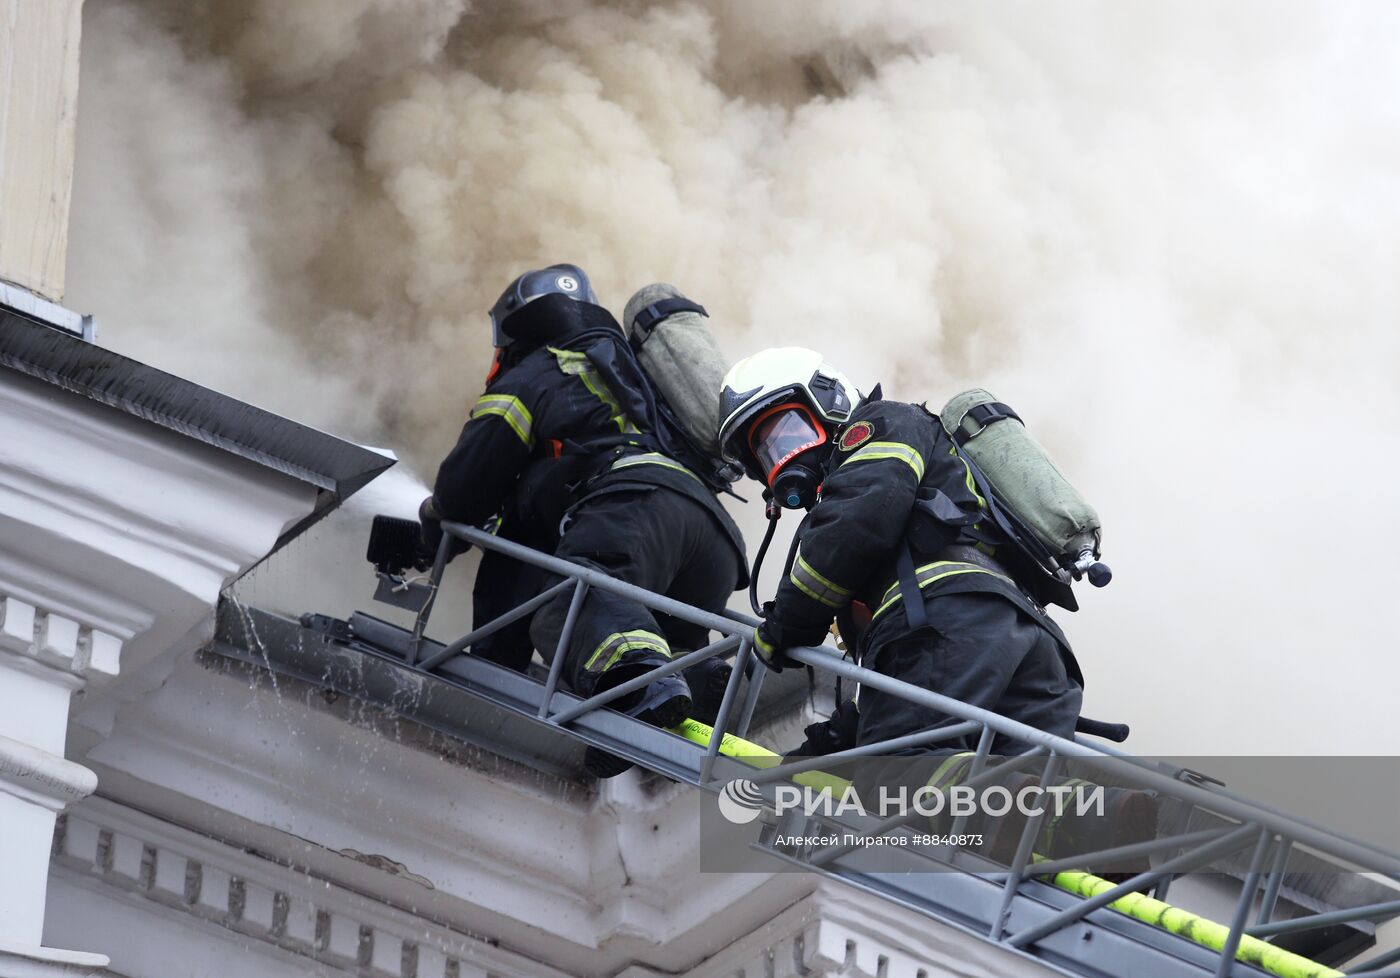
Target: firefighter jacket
x,y
563,421
892,467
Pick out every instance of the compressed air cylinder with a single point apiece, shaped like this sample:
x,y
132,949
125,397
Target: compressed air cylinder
x,y
681,356
1023,476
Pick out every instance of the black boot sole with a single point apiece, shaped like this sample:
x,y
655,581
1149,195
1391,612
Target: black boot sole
x,y
601,764
705,707
667,714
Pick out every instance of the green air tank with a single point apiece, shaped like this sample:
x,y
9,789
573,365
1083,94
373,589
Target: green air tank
x,y
680,355
1025,479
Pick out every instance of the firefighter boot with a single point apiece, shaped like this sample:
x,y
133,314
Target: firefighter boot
x,y
1093,818
664,703
1127,816
707,682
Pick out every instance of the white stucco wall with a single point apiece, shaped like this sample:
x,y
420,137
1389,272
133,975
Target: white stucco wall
x,y
116,539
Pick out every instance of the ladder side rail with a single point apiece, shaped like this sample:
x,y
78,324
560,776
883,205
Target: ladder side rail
x,y
726,704
493,626
1232,841
1133,850
1387,909
1231,948
1122,946
1274,883
735,625
821,857
1265,807
1372,968
556,665
1023,854
755,673
1335,844
920,738
1224,791
645,679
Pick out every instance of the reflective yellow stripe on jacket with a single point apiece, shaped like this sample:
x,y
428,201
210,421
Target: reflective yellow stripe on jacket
x,y
511,409
577,364
877,450
971,482
651,458
807,580
929,574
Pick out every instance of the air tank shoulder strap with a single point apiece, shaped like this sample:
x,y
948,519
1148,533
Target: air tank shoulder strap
x,y
983,415
909,589
646,319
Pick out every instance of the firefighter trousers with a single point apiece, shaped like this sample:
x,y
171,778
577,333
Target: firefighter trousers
x,y
654,538
979,648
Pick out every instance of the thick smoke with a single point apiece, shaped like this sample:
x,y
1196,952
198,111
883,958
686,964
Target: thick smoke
x,y
1166,234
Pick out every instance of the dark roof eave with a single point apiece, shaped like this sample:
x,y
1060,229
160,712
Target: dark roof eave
x,y
56,356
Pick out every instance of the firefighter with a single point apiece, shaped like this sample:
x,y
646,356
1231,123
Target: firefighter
x,y
938,611
565,447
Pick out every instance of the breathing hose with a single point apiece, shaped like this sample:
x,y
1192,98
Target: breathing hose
x,y
773,511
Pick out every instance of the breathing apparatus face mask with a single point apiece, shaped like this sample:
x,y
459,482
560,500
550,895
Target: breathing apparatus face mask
x,y
784,441
788,445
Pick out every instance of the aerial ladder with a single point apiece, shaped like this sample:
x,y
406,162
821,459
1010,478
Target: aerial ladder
x,y
1050,909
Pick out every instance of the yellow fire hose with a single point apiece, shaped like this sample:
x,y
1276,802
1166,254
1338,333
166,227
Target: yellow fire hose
x,y
1261,954
1174,920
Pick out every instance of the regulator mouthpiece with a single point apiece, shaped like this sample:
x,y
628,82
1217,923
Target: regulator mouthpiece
x,y
1097,571
796,487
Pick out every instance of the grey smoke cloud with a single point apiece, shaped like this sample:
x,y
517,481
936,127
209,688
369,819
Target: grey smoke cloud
x,y
1165,233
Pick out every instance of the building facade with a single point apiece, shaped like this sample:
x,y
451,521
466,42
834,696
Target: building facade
x,y
176,807
170,813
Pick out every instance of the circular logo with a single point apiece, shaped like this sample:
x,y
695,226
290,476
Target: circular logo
x,y
856,435
567,282
740,801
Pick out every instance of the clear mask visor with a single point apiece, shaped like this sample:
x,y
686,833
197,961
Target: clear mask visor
x,y
781,435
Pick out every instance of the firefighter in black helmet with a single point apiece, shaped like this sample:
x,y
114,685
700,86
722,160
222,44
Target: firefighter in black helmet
x,y
930,607
567,448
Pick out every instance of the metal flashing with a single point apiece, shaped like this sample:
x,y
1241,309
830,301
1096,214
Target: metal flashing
x,y
50,313
56,352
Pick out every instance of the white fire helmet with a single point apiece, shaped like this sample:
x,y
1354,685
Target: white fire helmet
x,y
778,404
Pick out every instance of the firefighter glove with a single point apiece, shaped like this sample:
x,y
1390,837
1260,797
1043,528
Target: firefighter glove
x,y
771,638
430,536
766,647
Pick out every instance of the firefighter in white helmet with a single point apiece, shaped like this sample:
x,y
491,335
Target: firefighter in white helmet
x,y
883,544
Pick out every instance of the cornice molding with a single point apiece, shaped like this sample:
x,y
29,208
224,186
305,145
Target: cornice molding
x,y
839,932
458,839
47,962
134,855
57,641
831,932
454,833
40,777
117,536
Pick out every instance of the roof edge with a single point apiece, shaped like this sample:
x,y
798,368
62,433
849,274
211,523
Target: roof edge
x,y
53,345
